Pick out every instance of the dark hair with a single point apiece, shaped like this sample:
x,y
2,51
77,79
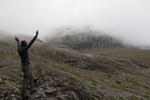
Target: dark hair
x,y
23,43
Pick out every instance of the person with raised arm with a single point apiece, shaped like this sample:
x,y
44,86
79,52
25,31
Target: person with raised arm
x,y
28,80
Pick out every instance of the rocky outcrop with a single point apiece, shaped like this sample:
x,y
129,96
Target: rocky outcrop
x,y
85,39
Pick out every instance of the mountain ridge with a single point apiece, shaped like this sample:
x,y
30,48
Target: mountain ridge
x,y
86,39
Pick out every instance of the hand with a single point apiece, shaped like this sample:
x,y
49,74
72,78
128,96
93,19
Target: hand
x,y
16,38
37,32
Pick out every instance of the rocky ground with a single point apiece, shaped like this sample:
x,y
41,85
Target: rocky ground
x,y
69,75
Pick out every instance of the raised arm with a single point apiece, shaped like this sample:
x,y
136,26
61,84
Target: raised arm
x,y
32,41
18,43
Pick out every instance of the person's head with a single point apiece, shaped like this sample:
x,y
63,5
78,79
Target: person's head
x,y
23,43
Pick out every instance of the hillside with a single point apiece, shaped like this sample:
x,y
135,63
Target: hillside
x,y
67,74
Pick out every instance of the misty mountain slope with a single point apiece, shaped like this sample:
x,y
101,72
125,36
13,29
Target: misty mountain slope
x,y
85,39
67,74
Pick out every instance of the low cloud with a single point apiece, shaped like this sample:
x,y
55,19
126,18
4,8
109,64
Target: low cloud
x,y
126,19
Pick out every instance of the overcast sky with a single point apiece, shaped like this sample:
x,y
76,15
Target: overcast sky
x,y
129,19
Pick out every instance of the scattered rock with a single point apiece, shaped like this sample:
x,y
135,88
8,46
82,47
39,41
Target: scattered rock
x,y
118,82
50,90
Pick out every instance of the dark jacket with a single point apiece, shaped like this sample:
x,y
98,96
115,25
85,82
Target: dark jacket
x,y
23,52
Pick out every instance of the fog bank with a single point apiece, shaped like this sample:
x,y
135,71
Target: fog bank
x,y
127,19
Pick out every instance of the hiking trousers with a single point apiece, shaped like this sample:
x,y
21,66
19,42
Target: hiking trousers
x,y
28,82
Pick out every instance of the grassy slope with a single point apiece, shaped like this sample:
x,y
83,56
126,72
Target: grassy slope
x,y
130,84
137,56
